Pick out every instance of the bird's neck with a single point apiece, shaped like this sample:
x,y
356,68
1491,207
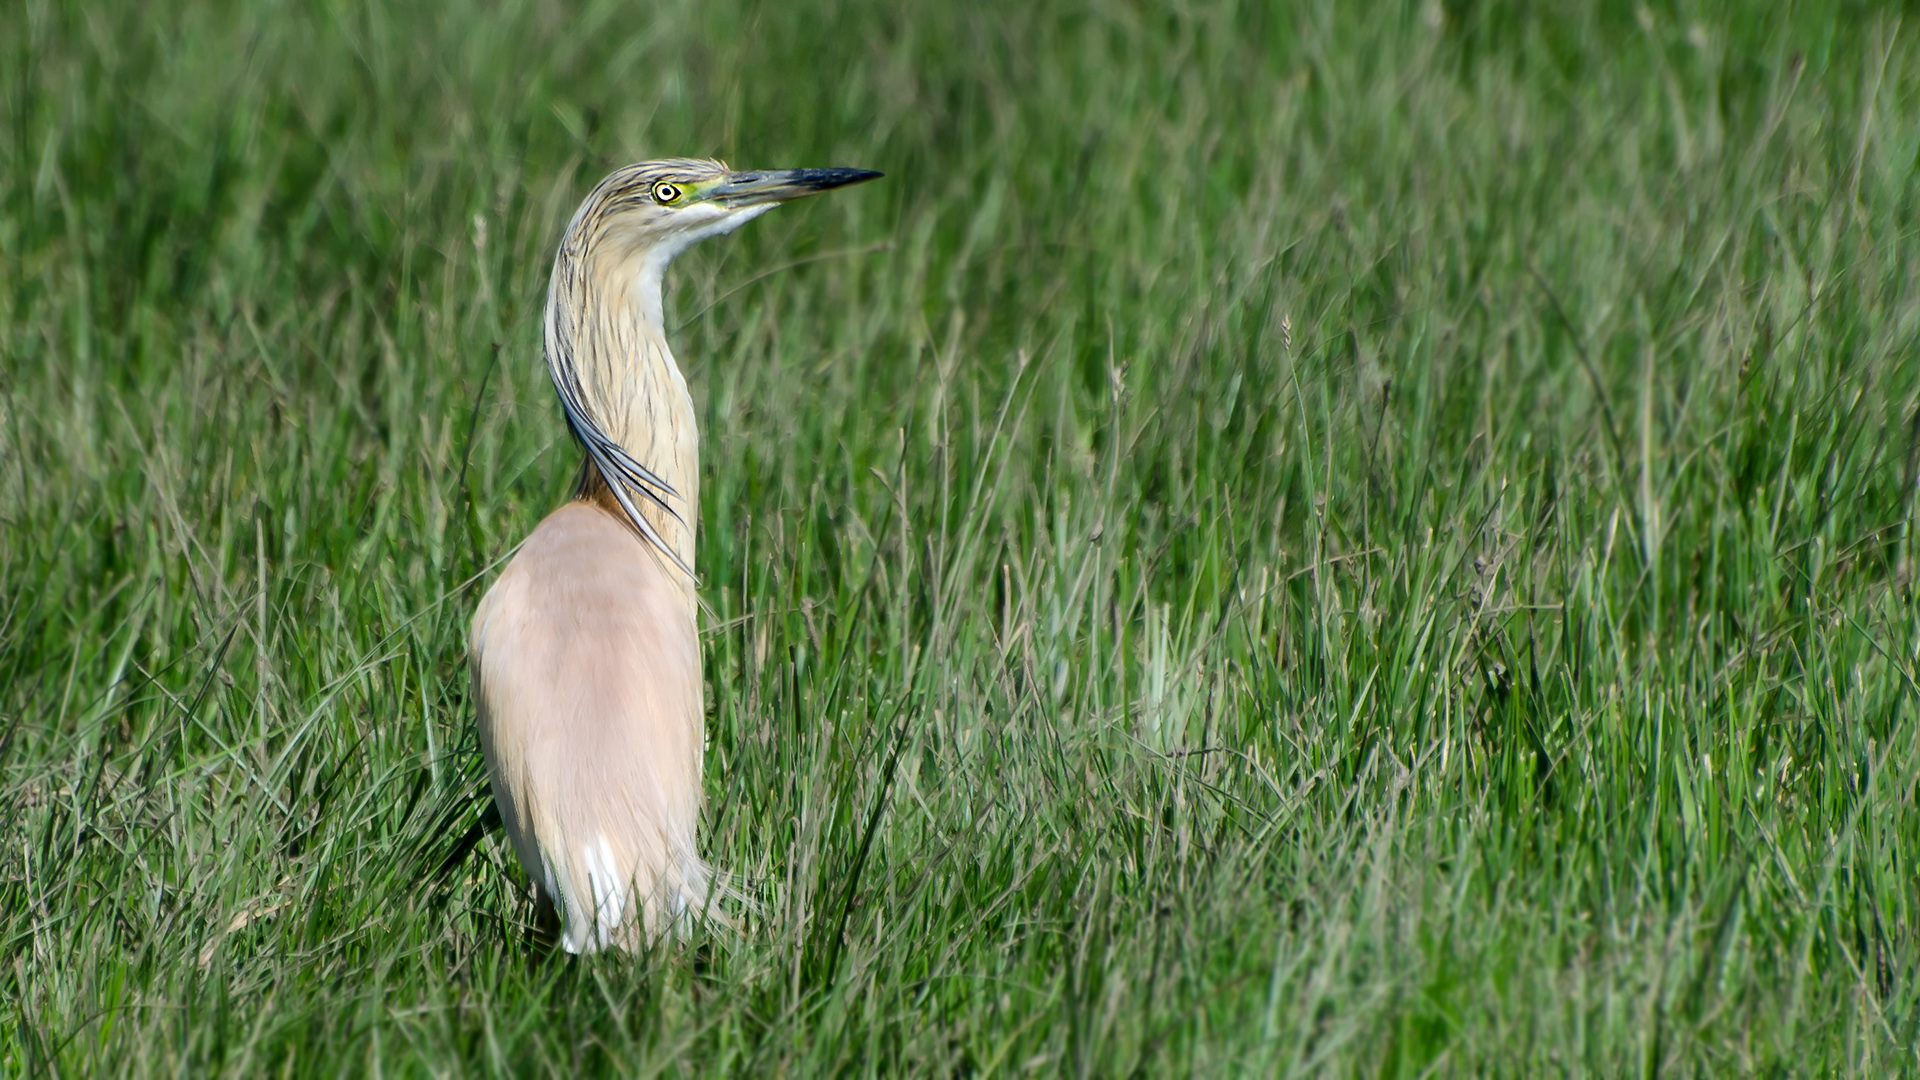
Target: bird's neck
x,y
631,386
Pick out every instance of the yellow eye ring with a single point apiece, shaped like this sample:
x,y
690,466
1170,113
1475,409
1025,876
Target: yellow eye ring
x,y
665,192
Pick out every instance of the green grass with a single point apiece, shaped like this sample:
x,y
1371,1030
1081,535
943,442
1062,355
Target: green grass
x,y
1278,540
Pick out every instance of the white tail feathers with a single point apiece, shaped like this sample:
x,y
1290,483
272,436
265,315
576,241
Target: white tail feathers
x,y
609,891
625,906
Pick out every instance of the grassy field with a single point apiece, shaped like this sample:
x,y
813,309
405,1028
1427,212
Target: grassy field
x,y
1318,539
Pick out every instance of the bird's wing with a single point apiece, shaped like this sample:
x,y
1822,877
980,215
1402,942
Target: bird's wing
x,y
587,669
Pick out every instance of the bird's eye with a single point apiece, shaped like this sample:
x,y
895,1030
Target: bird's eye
x,y
665,192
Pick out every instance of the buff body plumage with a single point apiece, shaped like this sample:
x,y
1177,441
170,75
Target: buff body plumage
x,y
588,670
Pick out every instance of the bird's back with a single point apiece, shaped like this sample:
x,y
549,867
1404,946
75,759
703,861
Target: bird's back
x,y
586,665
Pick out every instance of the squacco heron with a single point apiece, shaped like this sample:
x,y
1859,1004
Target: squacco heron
x,y
586,651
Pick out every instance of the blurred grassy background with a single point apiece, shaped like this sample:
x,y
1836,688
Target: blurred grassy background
x,y
1281,539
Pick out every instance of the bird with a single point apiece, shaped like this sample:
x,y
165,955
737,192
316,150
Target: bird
x,y
585,651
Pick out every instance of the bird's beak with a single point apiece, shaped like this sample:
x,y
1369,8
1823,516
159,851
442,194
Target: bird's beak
x,y
743,189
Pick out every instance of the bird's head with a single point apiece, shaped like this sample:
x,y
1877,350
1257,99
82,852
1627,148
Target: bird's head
x,y
653,210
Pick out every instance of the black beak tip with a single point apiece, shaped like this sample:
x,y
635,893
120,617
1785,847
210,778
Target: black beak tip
x,y
822,179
